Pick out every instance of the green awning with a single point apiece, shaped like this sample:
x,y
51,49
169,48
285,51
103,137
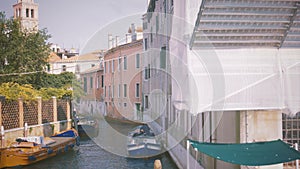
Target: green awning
x,y
249,154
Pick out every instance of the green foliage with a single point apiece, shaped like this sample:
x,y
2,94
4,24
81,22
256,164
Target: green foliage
x,y
23,57
21,52
14,91
47,93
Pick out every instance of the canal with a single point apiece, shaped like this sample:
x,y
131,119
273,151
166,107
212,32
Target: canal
x,y
106,151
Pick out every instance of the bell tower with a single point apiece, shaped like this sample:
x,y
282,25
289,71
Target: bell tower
x,y
27,12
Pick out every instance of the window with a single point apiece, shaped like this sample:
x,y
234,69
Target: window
x,y
163,58
120,63
291,128
85,84
32,13
137,60
137,90
27,12
64,68
125,62
146,102
125,90
165,6
146,44
112,91
92,65
147,72
91,82
108,66
102,81
98,82
148,75
112,66
119,91
104,91
105,67
109,91
125,104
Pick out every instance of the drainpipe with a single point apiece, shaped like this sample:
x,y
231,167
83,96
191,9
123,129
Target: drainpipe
x,y
297,161
187,154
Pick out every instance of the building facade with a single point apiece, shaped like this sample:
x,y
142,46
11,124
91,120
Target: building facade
x,y
74,64
232,74
92,81
122,84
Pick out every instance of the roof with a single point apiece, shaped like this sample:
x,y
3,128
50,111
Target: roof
x,y
126,45
249,154
247,23
92,69
93,56
53,57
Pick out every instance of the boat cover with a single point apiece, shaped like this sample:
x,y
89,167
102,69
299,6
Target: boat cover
x,y
249,154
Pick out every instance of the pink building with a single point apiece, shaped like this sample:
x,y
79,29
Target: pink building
x,y
122,81
93,81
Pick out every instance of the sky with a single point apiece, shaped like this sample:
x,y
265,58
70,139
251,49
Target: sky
x,y
85,24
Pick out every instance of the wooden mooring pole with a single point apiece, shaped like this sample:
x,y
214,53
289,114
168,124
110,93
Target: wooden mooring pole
x,y
2,137
157,164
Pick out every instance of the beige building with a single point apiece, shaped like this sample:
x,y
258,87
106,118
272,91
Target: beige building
x,y
75,64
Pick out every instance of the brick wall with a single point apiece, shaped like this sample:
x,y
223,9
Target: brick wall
x,y
13,114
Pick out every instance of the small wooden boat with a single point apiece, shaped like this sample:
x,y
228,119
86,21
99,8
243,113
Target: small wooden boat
x,y
25,152
88,127
142,143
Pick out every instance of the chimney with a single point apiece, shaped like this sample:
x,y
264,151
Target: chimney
x,y
128,37
117,40
110,41
113,42
133,32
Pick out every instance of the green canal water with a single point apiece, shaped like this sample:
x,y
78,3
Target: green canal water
x,y
96,153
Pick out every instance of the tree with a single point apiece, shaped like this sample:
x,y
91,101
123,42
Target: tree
x,y
23,57
21,52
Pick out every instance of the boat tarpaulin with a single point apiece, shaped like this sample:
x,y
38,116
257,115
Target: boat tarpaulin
x,y
249,154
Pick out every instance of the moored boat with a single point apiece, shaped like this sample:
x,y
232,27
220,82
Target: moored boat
x,y
88,127
142,143
26,152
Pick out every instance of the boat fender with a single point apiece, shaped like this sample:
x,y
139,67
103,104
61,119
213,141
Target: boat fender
x,y
50,151
66,148
32,158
